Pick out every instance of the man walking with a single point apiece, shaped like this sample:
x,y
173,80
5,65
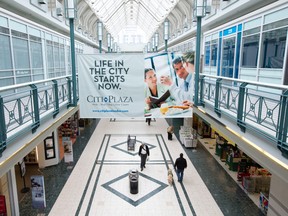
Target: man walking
x,y
148,120
143,153
180,165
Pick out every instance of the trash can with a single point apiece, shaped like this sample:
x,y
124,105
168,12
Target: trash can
x,y
133,179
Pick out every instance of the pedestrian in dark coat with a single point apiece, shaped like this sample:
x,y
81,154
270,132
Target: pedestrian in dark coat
x,y
180,165
148,120
143,153
170,131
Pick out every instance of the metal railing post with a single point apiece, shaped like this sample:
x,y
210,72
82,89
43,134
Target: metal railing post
x,y
217,94
36,115
240,111
69,91
46,100
261,99
3,130
283,124
56,97
228,98
202,103
19,111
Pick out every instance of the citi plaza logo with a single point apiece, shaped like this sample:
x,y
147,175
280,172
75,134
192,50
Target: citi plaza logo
x,y
109,99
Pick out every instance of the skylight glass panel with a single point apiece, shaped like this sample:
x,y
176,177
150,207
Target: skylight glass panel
x,y
146,15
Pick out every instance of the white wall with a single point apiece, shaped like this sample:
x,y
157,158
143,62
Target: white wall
x,y
42,162
278,197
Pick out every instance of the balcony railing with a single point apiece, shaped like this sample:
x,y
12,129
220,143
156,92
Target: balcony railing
x,y
23,107
257,106
250,105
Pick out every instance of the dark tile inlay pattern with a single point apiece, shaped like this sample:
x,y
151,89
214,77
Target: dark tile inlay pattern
x,y
232,200
123,147
125,197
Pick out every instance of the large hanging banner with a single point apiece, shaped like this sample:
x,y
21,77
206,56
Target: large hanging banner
x,y
111,85
157,85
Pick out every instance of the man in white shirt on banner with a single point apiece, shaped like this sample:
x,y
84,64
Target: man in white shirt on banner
x,y
183,92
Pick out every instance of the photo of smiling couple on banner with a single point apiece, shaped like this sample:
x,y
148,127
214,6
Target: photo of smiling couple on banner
x,y
169,85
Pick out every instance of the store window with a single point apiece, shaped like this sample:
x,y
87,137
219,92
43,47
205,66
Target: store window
x,y
228,57
211,50
50,59
21,57
56,54
6,81
250,47
21,54
56,51
214,51
36,54
6,73
36,58
273,46
5,52
207,53
62,60
23,76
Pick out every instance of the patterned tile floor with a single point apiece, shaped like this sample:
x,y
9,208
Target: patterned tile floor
x,y
99,183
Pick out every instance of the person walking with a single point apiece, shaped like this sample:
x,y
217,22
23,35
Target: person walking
x,y
180,165
170,131
143,153
148,120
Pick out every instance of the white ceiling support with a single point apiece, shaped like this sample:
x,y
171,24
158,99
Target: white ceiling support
x,y
143,17
86,18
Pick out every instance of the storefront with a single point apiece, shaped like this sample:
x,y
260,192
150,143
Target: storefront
x,y
50,152
251,176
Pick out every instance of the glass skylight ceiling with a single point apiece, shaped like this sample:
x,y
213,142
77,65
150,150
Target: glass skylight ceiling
x,y
140,18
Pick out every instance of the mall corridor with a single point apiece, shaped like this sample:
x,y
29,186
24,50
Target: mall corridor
x,y
98,183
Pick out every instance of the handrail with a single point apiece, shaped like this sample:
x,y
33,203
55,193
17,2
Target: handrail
x,y
6,88
283,87
23,110
262,108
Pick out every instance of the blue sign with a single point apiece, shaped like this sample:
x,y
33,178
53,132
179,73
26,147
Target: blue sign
x,y
229,31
